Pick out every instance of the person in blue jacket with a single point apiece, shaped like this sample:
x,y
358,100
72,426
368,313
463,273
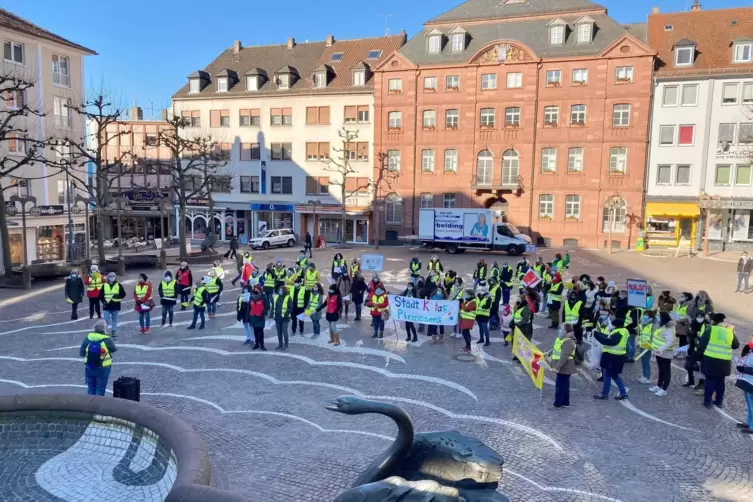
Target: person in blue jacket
x,y
613,358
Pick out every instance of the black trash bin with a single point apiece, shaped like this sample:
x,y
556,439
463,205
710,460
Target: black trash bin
x,y
127,388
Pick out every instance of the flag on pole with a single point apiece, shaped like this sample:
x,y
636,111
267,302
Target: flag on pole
x,y
530,357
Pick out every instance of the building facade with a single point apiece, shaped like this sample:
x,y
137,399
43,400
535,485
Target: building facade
x,y
279,113
56,68
699,180
537,110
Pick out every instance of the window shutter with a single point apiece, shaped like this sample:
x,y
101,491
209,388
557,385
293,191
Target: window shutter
x,y
195,113
350,113
312,116
350,185
276,111
287,111
362,109
349,147
324,114
255,112
312,187
311,151
184,113
323,151
363,184
324,182
225,113
214,118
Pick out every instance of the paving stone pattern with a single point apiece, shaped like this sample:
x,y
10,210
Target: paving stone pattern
x,y
270,438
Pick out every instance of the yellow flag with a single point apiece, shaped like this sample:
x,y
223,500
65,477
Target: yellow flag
x,y
530,357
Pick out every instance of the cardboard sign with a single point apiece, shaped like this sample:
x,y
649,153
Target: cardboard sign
x,y
637,291
531,279
435,312
372,262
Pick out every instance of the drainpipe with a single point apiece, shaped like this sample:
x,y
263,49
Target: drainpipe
x,y
415,152
539,67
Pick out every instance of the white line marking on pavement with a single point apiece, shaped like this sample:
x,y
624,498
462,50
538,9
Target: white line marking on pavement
x,y
557,488
630,406
342,364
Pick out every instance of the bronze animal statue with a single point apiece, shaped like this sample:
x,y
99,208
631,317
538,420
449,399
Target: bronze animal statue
x,y
426,467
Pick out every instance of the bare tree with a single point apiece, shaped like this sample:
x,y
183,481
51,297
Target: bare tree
x,y
340,166
212,159
384,177
22,145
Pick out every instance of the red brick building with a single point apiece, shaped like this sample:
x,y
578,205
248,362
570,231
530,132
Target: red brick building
x,y
538,109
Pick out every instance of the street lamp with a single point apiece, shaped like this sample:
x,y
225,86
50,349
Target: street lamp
x,y
77,210
68,186
34,211
315,204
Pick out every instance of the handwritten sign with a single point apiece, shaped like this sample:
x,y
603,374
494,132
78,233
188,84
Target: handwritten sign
x,y
372,262
435,312
637,291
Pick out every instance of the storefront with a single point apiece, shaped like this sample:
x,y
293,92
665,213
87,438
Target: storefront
x,y
47,236
327,221
272,216
667,224
730,223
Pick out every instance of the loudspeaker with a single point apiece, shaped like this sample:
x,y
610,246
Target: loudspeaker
x,y
127,388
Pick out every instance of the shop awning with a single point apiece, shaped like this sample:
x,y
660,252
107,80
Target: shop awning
x,y
687,209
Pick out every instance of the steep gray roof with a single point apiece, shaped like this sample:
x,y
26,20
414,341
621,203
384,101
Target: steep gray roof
x,y
497,9
638,30
533,33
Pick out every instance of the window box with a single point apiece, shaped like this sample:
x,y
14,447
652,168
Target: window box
x,y
394,128
453,88
512,126
624,80
550,124
577,83
545,218
452,128
487,126
578,123
429,128
571,218
554,84
395,91
430,89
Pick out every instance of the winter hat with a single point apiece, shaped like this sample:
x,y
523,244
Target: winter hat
x,y
718,317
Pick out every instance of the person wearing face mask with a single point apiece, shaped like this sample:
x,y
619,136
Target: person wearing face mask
x,y
268,282
645,338
662,343
300,297
574,313
522,318
257,315
184,279
682,322
456,293
74,292
520,270
199,300
334,306
495,293
468,309
436,332
415,269
479,275
698,327
410,328
282,308
111,295
93,283
339,269
302,261
168,297
378,303
214,288
311,276
243,313
449,280
143,303
357,290
505,278
613,358
715,348
546,285
554,300
314,308
506,324
280,271
562,356
483,313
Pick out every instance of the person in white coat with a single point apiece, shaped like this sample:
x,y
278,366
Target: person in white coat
x,y
662,344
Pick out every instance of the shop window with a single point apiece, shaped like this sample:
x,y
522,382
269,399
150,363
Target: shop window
x,y
740,225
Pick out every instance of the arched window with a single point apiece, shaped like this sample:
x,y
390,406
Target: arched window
x,y
393,209
615,208
484,167
510,167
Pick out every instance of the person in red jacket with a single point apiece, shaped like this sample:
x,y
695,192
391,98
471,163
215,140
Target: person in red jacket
x,y
93,283
247,271
378,303
142,296
467,317
184,279
374,284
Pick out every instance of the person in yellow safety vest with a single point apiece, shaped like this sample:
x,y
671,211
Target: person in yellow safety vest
x,y
200,300
168,294
539,266
495,293
415,269
554,300
217,266
716,345
645,336
291,275
280,271
97,349
312,277
314,308
214,288
505,281
111,295
613,357
682,322
546,285
143,303
449,280
468,308
355,267
281,309
479,275
483,313
520,270
339,269
522,318
378,304
302,261
494,272
93,282
435,265
662,344
562,356
300,296
269,282
573,314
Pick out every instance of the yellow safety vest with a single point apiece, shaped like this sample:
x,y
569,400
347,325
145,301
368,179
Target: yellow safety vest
x,y
682,311
312,277
547,278
168,289
517,317
198,297
621,348
285,301
415,268
141,291
538,269
313,301
303,262
95,282
354,269
572,315
658,340
481,272
645,340
340,264
459,294
433,266
720,343
375,300
483,307
111,291
269,279
556,292
99,337
468,315
212,287
219,271
557,350
280,273
493,292
300,298
495,273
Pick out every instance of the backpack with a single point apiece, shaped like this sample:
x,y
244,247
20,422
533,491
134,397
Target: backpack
x,y
95,354
580,354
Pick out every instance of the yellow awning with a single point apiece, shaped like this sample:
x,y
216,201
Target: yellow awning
x,y
688,209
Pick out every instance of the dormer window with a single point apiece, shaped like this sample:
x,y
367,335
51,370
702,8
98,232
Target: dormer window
x,y
320,79
194,85
374,54
222,84
252,83
434,41
457,39
359,77
743,52
684,53
283,82
557,32
584,28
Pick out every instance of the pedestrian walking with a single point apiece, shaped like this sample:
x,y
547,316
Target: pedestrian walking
x,y
745,383
111,295
716,346
74,292
744,267
97,350
184,279
314,308
168,292
334,307
613,356
662,345
233,248
378,303
282,309
308,244
93,283
143,304
200,300
468,309
562,356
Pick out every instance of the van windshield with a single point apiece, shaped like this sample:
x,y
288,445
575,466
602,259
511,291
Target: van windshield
x,y
513,229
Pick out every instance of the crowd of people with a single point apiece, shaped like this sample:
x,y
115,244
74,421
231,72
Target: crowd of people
x,y
595,322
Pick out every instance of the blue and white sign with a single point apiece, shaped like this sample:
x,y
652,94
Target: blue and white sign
x,y
637,291
372,262
263,178
416,310
530,248
274,208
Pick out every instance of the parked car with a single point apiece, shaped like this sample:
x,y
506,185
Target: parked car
x,y
271,238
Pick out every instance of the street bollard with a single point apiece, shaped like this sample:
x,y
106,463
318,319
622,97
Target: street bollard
x,y
121,265
26,277
162,259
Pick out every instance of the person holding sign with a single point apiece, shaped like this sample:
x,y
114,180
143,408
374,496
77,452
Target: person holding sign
x,y
436,332
378,303
410,292
468,309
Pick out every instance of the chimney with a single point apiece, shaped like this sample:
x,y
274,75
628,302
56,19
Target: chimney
x,y
165,114
291,43
330,40
654,10
237,46
137,113
696,6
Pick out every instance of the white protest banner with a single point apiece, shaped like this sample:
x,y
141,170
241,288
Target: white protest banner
x,y
303,317
435,312
372,262
637,291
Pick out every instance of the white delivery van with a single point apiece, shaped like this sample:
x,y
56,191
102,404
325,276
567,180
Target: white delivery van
x,y
457,230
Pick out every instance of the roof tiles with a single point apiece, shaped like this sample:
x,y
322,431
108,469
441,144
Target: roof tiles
x,y
15,23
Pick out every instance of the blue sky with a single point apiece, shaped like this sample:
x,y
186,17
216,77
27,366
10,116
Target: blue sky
x,y
146,48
